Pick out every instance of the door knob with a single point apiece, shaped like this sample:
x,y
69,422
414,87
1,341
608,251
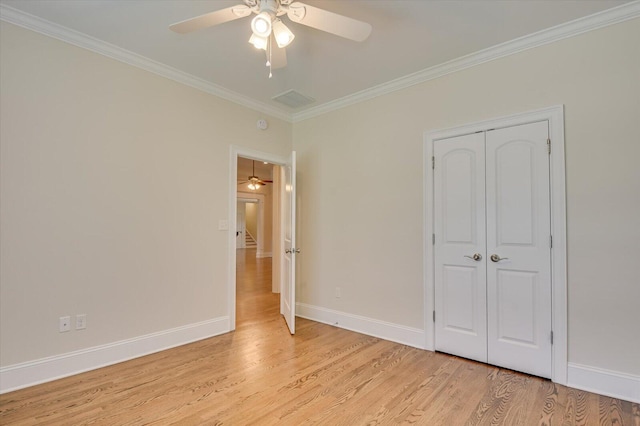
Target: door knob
x,y
477,257
496,258
287,251
295,250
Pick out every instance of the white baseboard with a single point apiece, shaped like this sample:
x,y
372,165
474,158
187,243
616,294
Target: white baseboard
x,y
385,330
604,382
263,254
18,376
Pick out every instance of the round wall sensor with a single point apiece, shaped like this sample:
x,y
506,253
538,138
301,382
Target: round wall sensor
x,y
262,124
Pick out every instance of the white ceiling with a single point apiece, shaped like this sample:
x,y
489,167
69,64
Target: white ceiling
x,y
408,36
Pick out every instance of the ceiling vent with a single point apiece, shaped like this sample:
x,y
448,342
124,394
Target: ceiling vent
x,y
293,99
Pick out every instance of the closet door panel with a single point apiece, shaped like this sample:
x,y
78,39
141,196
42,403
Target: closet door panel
x,y
518,248
459,221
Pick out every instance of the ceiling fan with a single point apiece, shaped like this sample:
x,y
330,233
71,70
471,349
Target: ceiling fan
x,y
254,181
268,28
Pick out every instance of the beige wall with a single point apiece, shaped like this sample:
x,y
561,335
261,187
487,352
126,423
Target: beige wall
x,y
361,197
112,180
276,227
251,217
267,224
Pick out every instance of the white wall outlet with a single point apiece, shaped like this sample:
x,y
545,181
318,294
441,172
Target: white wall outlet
x,y
64,324
262,124
81,321
338,293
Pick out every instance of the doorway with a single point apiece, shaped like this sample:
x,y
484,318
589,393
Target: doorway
x,y
282,191
254,239
481,265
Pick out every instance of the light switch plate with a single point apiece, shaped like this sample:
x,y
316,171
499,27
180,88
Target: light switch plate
x,y
81,321
223,225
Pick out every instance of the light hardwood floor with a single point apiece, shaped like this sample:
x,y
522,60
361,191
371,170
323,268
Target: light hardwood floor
x,y
261,375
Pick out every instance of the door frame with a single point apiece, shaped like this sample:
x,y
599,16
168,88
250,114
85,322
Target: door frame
x,y
555,117
252,154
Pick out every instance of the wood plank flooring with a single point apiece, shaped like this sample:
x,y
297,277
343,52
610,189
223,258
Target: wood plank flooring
x,y
261,375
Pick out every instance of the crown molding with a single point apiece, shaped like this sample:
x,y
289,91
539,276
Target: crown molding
x,y
570,29
76,38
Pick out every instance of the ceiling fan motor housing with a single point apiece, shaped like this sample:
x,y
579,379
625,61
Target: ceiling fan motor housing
x,y
269,6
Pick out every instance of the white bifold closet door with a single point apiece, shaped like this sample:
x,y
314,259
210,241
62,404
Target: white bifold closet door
x,y
492,247
460,222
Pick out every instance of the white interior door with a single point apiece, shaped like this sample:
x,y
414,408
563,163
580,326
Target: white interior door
x,y
492,247
518,248
288,287
460,266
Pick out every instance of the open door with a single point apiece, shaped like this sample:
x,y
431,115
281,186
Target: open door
x,y
288,286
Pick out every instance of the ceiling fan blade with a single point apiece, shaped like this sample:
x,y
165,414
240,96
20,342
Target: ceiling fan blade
x,y
210,19
246,181
278,55
330,22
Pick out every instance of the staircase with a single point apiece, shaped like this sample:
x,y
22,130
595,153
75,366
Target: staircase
x,y
249,241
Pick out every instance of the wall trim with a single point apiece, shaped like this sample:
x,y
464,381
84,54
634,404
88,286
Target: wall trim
x,y
18,376
569,29
261,254
555,116
559,32
372,327
76,38
604,382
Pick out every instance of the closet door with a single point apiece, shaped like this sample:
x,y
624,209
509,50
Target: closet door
x,y
460,265
518,248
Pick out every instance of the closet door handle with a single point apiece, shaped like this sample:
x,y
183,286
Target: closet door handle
x,y
477,257
496,258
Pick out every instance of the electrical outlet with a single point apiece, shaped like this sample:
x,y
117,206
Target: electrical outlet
x,y
338,293
64,324
81,321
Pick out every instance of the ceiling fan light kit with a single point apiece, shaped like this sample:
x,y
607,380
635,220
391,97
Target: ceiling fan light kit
x,y
253,186
283,35
254,182
259,42
268,28
261,24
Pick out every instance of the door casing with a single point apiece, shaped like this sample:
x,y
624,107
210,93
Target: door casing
x,y
555,116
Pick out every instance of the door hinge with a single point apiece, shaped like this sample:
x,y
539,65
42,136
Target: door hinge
x,y
433,239
549,145
434,316
433,163
552,337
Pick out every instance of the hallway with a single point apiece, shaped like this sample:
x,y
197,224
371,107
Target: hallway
x,y
255,302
